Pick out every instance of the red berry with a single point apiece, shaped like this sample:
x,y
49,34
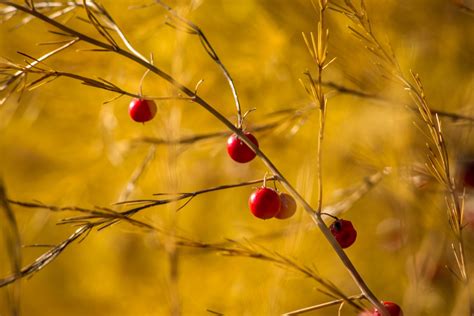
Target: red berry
x,y
393,309
264,203
287,206
142,110
344,232
238,150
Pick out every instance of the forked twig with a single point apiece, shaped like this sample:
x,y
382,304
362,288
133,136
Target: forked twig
x,y
46,258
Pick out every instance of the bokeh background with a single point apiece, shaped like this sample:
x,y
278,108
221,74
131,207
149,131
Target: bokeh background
x,y
61,145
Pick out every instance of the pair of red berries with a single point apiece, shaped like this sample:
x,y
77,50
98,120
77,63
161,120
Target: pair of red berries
x,y
392,308
266,203
142,110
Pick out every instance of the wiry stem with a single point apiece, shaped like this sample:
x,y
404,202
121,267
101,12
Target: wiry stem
x,y
46,258
21,72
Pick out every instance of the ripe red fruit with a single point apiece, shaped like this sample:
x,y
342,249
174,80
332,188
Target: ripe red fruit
x,y
264,203
142,110
287,206
344,232
238,150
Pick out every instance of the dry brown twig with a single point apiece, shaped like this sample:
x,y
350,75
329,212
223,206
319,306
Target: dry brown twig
x,y
16,75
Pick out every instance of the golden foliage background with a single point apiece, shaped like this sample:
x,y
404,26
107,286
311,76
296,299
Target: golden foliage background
x,y
61,145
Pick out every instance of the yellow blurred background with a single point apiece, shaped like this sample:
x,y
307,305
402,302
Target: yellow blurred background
x,y
61,145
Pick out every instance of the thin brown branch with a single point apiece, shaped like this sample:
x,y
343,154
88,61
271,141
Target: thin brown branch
x,y
48,75
47,257
22,72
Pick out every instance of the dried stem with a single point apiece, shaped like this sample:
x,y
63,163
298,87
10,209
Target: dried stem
x,y
22,72
46,258
47,75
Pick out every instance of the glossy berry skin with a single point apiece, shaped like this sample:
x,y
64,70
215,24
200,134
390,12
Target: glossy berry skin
x,y
393,309
264,203
142,110
344,232
238,150
287,206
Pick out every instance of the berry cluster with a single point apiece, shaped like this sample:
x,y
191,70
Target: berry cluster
x,y
266,203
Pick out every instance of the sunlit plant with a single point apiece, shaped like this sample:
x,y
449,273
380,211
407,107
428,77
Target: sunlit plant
x,y
265,202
